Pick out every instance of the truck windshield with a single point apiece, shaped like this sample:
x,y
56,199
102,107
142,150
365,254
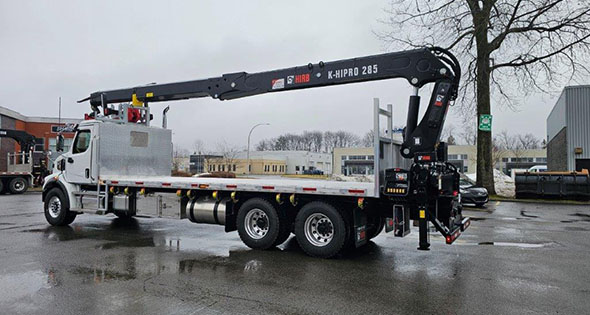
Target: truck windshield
x,y
82,141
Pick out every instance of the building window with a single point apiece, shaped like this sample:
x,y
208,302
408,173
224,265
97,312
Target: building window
x,y
234,167
453,156
463,156
504,159
344,158
297,167
39,145
465,169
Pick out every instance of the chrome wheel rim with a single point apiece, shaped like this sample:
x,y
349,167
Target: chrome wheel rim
x,y
19,185
256,223
319,230
54,207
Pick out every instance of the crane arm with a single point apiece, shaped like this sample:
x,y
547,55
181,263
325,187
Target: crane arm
x,y
24,139
419,67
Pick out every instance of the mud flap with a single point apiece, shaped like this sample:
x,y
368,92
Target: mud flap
x,y
360,227
401,220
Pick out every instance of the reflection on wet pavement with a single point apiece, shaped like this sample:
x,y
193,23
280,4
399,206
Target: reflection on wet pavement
x,y
504,263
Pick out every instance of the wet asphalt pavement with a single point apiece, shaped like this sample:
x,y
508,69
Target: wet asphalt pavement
x,y
515,258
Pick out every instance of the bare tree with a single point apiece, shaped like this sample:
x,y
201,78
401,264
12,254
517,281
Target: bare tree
x,y
368,139
468,134
225,158
529,141
198,147
509,48
314,141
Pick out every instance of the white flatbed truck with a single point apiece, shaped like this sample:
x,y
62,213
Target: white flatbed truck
x,y
120,164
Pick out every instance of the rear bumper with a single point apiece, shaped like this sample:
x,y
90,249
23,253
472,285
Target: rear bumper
x,y
456,232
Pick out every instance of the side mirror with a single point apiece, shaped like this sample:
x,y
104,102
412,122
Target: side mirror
x,y
59,146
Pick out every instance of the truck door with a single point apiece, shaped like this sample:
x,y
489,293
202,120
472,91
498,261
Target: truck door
x,y
79,161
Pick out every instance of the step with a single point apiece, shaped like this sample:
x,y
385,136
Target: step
x,y
89,193
88,210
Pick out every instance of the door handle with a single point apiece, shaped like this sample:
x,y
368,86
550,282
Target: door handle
x,y
87,172
70,160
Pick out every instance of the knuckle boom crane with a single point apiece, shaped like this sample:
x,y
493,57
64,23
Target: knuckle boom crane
x,y
427,191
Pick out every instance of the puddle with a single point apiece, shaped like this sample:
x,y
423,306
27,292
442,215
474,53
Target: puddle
x,y
524,214
583,217
100,275
477,219
576,229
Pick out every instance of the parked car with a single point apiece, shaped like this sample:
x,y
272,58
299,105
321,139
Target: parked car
x,y
471,193
313,172
538,169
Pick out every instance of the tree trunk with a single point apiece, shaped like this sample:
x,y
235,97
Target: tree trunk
x,y
485,164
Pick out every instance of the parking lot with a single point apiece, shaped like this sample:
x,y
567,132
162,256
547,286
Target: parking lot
x,y
515,258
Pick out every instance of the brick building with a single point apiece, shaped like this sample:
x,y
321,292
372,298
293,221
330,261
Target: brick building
x,y
45,130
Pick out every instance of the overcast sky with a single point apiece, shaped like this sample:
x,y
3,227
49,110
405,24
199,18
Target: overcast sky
x,y
72,48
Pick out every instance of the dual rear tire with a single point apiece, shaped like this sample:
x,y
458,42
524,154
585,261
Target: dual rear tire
x,y
320,229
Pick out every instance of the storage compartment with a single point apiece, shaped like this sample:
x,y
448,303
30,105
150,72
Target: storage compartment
x,y
161,205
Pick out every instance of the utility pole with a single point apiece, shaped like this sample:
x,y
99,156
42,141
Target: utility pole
x,y
248,150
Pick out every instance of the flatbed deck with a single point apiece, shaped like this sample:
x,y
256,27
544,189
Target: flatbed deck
x,y
271,185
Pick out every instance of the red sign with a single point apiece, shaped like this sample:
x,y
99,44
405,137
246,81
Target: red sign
x,y
302,78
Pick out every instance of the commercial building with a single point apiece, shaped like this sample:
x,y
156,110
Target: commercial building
x,y
197,162
359,161
45,130
262,162
568,130
296,162
354,161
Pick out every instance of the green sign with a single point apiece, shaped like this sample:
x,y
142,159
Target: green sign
x,y
485,122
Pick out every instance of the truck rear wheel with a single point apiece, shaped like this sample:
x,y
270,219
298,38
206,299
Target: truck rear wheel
x,y
258,224
18,185
1,186
320,229
57,208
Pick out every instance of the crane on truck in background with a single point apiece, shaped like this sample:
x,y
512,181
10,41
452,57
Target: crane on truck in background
x,y
119,164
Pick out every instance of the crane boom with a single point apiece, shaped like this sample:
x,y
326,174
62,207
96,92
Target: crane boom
x,y
419,67
24,139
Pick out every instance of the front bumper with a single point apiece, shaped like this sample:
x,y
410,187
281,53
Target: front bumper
x,y
474,199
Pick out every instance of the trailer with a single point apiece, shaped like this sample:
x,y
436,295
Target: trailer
x,y
120,164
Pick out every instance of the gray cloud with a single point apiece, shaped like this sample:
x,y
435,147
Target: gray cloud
x,y
72,48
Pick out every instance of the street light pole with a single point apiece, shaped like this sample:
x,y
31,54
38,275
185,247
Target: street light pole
x,y
248,151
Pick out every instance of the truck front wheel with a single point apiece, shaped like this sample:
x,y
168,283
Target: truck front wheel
x,y
258,224
57,208
320,229
18,185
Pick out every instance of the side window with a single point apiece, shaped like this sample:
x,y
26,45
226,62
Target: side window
x,y
82,142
